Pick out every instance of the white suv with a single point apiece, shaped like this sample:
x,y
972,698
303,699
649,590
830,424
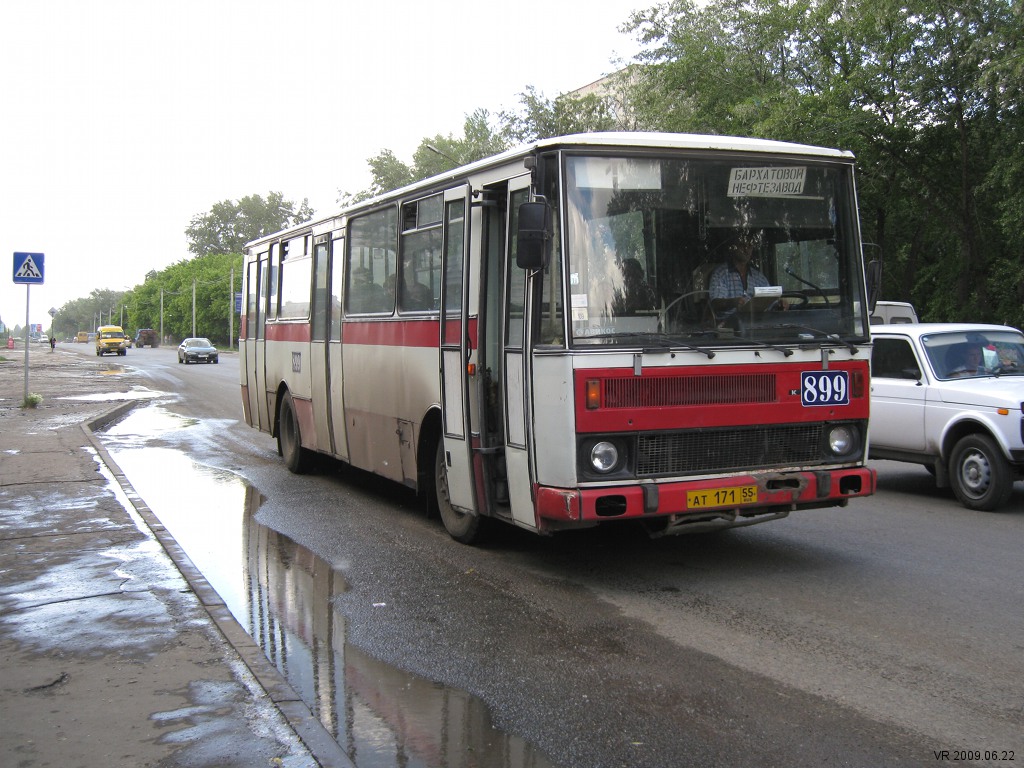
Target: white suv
x,y
951,396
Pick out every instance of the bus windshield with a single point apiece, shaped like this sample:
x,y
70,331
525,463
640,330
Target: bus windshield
x,y
711,250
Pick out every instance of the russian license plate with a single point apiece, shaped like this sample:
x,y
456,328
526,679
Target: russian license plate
x,y
730,496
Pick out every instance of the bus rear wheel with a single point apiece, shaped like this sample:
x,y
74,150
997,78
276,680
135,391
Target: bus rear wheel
x,y
289,440
461,526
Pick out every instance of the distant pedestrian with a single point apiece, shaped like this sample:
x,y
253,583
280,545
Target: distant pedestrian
x,y
53,343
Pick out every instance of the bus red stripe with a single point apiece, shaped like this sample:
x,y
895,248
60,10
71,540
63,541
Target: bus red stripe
x,y
288,332
385,333
401,333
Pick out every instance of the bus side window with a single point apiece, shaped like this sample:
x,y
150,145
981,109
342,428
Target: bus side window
x,y
270,284
372,249
420,287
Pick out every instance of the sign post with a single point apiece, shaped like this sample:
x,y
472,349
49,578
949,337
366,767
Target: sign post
x,y
28,270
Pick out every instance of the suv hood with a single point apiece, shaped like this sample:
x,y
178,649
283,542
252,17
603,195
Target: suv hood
x,y
992,391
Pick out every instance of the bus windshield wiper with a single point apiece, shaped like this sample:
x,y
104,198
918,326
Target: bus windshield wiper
x,y
664,341
784,350
834,337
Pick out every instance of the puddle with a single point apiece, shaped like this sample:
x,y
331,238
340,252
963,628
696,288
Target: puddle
x,y
282,595
138,393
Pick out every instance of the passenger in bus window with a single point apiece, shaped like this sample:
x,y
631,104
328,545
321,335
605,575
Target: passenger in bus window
x,y
415,296
365,295
389,289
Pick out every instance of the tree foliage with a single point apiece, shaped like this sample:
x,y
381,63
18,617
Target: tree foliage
x,y
100,307
925,93
484,136
230,224
172,288
541,118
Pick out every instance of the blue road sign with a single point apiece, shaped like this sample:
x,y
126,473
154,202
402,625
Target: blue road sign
x,y
28,268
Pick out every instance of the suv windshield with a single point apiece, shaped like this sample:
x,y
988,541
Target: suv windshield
x,y
707,251
975,353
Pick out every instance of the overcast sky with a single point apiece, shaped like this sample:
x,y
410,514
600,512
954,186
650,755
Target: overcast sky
x,y
120,120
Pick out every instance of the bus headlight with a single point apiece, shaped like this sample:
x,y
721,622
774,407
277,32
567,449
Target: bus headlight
x,y
842,440
604,456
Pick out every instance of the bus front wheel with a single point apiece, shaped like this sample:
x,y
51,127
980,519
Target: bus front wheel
x,y
461,526
289,440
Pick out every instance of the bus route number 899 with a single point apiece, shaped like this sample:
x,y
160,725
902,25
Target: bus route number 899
x,y
824,388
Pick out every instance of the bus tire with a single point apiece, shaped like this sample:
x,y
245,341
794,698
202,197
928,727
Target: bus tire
x,y
979,473
463,527
289,439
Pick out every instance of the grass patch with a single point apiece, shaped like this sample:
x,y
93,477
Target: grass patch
x,y
32,400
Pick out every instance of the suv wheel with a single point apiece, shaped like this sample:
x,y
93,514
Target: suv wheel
x,y
979,473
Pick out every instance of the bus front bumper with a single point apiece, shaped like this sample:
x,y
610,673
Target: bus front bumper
x,y
734,501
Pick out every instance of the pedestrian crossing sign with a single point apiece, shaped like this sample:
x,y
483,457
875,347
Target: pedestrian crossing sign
x,y
28,267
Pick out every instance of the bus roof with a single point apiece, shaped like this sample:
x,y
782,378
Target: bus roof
x,y
608,139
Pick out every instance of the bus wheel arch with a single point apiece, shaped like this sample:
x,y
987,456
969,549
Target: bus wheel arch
x,y
426,449
289,437
464,527
433,477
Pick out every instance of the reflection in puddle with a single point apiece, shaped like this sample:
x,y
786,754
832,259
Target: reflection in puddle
x,y
281,593
145,423
137,393
379,714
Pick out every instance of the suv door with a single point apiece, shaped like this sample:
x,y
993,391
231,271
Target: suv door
x,y
899,390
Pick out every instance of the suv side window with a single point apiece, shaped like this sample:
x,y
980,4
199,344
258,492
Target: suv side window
x,y
894,359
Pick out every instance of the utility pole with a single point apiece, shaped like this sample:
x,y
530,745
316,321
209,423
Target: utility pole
x,y
231,311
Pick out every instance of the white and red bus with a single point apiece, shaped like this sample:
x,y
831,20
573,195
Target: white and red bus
x,y
537,337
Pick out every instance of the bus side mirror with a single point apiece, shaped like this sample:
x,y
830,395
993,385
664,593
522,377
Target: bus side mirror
x,y
873,275
533,239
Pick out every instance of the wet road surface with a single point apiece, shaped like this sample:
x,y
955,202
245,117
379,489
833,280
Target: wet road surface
x,y
283,596
877,635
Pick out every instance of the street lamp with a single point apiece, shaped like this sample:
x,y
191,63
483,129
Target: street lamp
x,y
437,151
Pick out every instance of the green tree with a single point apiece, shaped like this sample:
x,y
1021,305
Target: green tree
x,y
214,298
433,156
230,224
484,136
85,314
539,117
920,91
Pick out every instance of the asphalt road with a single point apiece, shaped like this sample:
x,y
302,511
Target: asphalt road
x,y
887,633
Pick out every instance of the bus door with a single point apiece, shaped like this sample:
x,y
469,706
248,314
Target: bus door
x,y
516,368
319,321
254,318
335,379
455,350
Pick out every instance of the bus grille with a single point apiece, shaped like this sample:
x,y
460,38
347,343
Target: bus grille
x,y
706,451
656,392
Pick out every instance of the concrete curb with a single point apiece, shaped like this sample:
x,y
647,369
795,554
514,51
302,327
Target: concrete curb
x,y
320,743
